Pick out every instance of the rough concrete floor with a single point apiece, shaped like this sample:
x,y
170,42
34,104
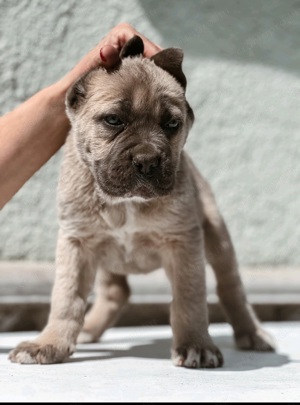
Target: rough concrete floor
x,y
133,365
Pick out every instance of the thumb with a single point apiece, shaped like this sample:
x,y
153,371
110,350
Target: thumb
x,y
109,56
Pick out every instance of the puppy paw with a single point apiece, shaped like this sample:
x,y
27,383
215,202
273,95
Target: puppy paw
x,y
35,353
202,356
259,340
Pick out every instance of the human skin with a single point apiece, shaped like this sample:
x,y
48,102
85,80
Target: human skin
x,y
35,130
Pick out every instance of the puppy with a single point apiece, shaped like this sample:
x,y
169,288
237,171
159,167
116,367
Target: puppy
x,y
130,201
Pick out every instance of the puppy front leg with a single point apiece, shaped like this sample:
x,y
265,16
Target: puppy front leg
x,y
73,279
185,267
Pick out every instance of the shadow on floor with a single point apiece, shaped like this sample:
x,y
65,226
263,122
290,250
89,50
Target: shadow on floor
x,y
235,360
149,348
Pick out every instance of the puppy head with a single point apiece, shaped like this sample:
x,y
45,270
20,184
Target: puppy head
x,y
130,124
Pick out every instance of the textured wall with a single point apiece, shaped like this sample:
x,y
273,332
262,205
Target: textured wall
x,y
242,60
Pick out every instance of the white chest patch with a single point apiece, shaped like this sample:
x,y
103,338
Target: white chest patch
x,y
124,235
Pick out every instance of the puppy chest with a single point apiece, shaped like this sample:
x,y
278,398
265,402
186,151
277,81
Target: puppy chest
x,y
124,238
132,243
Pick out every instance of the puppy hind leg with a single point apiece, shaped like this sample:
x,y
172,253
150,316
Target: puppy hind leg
x,y
249,334
112,293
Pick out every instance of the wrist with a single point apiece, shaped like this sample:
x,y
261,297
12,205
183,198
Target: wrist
x,y
56,94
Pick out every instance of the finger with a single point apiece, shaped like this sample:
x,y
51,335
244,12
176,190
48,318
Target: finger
x,y
123,33
109,56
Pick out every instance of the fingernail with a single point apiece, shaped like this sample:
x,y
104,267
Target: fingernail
x,y
102,57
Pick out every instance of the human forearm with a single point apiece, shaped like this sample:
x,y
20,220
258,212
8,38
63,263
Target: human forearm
x,y
32,133
29,136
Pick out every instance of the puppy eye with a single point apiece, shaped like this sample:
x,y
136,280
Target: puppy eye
x,y
171,126
114,120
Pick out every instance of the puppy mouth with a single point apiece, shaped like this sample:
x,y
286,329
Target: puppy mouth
x,y
136,186
152,188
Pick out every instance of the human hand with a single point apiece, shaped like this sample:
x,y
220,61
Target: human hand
x,y
106,53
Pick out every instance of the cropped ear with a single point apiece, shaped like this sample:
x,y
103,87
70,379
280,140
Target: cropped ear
x,y
170,60
76,94
134,47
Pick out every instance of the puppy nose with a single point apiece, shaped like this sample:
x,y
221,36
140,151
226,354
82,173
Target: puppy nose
x,y
145,163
